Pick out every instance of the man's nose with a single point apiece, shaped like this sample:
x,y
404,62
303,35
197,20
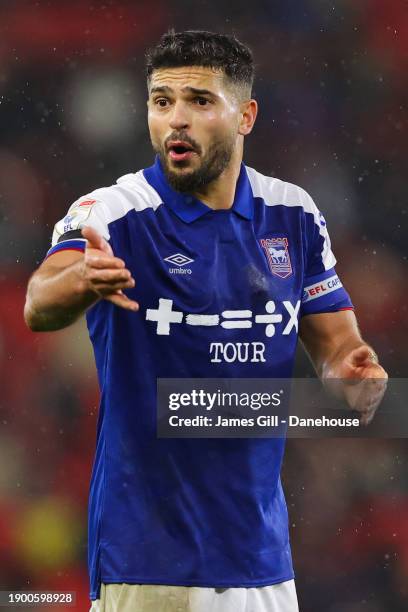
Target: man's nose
x,y
180,116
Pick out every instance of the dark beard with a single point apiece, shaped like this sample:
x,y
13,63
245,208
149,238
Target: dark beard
x,y
212,166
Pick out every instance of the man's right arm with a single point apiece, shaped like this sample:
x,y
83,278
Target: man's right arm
x,y
69,282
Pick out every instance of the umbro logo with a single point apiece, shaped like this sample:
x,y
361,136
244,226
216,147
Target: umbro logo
x,y
179,260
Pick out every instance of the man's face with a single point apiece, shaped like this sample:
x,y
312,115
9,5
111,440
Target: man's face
x,y
193,119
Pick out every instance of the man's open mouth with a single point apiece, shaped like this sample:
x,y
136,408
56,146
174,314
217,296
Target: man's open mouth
x,y
179,151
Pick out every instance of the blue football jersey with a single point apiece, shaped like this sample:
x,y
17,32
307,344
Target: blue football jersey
x,y
196,512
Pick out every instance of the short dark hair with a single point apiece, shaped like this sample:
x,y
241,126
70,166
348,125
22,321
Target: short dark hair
x,y
202,48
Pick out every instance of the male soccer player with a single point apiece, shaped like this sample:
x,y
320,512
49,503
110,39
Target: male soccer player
x,y
168,264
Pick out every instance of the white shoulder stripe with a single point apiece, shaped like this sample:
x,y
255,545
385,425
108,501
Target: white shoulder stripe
x,y
131,192
275,192
136,185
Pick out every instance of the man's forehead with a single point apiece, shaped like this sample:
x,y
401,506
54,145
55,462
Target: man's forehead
x,y
201,77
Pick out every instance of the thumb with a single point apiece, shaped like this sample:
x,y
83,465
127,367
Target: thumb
x,y
95,240
361,356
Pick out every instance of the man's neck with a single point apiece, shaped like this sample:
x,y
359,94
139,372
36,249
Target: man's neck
x,y
220,193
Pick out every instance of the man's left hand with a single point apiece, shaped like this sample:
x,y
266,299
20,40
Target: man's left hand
x,y
364,382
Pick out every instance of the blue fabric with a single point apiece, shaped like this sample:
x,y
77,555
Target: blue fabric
x,y
73,244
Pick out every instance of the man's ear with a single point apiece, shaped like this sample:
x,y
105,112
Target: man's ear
x,y
249,111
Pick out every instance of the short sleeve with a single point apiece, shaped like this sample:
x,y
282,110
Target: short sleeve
x,y
67,234
323,290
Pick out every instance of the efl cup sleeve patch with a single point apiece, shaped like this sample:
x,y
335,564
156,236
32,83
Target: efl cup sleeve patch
x,y
67,233
82,212
324,293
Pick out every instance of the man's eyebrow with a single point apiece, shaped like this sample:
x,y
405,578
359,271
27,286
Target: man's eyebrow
x,y
161,89
199,92
193,90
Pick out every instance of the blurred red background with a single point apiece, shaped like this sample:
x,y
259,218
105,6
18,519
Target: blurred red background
x,y
332,91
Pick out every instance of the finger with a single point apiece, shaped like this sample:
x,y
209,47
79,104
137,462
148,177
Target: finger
x,y
104,289
121,300
366,405
376,373
366,411
366,408
95,240
373,385
366,418
101,261
368,394
368,373
372,392
104,276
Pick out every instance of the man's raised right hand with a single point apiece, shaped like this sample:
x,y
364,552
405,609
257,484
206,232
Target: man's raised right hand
x,y
105,274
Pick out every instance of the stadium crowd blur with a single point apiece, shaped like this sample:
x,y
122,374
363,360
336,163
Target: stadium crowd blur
x,y
332,91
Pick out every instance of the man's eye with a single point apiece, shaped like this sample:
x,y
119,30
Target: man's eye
x,y
201,101
161,102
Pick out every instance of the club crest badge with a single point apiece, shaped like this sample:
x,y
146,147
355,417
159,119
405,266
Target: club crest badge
x,y
277,254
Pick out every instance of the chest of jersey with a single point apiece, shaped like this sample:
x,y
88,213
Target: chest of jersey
x,y
221,260
223,286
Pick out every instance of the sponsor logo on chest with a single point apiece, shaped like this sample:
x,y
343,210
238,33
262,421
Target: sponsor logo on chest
x,y
180,261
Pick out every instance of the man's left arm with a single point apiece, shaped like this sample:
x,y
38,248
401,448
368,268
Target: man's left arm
x,y
346,364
